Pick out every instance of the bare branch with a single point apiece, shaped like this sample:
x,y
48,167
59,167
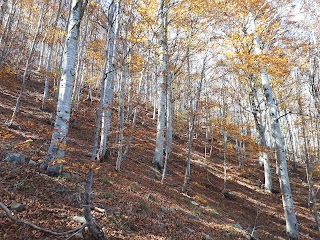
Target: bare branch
x,y
15,220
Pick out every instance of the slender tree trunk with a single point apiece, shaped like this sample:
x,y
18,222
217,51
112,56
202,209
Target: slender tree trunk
x,y
28,63
14,35
287,201
129,93
94,229
111,50
154,100
194,109
313,72
69,3
43,49
121,119
58,141
261,128
188,167
99,116
158,153
7,27
312,196
318,139
80,66
292,141
135,109
3,10
168,146
122,95
169,113
48,66
290,216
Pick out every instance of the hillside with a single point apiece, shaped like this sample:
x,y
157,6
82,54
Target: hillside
x,y
133,204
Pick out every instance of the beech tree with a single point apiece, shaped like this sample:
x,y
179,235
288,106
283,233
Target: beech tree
x,y
59,136
12,10
109,72
124,76
287,200
49,59
260,121
28,63
194,104
163,61
255,50
242,96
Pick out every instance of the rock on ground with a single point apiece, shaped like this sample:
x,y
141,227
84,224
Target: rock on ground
x,y
17,207
79,219
15,158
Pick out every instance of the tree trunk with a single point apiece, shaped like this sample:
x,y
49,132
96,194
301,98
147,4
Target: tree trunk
x,y
261,128
28,63
168,146
135,110
48,66
95,230
290,216
312,196
158,153
80,66
287,201
110,75
3,10
7,28
58,141
292,141
43,50
122,95
188,167
169,113
194,108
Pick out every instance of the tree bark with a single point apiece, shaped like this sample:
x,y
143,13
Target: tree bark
x,y
261,128
158,153
95,230
122,95
80,66
48,66
59,136
194,108
290,216
287,201
7,28
111,50
312,196
3,10
28,63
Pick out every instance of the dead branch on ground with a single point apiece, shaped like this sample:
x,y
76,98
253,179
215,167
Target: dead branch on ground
x,y
15,220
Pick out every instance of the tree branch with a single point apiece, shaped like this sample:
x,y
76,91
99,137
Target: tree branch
x,y
301,114
15,220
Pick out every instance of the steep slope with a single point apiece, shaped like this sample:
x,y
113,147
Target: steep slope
x,y
133,204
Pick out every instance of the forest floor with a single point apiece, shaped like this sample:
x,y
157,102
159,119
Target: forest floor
x,y
132,203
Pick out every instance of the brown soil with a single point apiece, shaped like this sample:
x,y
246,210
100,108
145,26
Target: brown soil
x,y
130,214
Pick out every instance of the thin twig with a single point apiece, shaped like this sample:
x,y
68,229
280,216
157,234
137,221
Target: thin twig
x,y
15,220
80,229
255,224
301,114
